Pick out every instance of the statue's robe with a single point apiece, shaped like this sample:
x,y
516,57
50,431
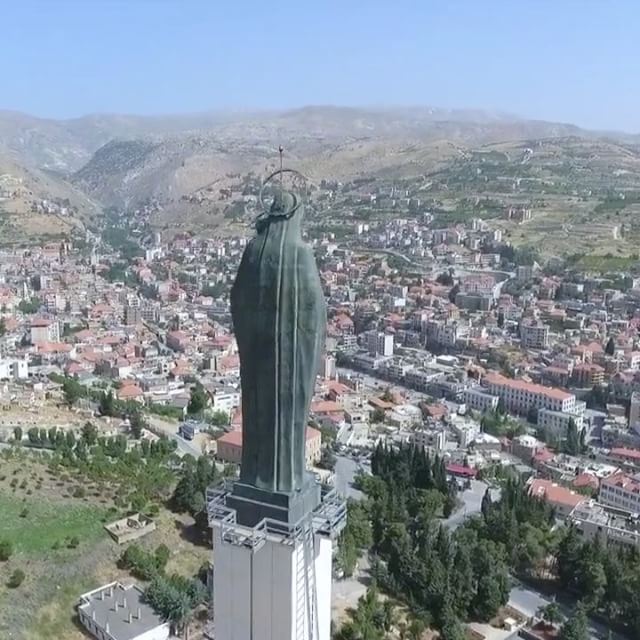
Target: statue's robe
x,y
279,318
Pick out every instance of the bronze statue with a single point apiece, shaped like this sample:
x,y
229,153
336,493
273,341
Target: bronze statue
x,y
279,318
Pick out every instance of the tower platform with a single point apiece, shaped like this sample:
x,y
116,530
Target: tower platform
x,y
272,579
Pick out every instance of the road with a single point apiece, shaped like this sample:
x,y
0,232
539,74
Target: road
x,y
472,502
170,429
528,600
345,470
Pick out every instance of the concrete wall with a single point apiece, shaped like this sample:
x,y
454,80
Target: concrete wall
x,y
256,595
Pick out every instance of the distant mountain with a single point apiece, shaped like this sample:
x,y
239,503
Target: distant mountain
x,y
184,164
66,145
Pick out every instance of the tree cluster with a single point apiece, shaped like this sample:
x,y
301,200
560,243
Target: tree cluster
x,y
175,597
198,401
444,578
144,564
190,492
606,579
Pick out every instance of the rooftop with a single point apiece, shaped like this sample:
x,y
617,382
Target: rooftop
x,y
120,610
551,492
530,387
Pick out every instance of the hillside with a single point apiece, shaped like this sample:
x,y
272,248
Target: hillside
x,y
66,145
195,171
35,205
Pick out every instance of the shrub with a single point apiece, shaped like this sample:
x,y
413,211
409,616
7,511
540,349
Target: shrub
x,y
79,492
16,579
6,550
73,542
162,554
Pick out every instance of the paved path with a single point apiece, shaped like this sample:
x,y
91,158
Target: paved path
x,y
528,600
170,429
345,470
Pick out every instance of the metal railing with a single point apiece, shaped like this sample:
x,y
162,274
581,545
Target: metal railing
x,y
328,519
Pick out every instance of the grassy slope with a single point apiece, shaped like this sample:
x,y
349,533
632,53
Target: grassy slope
x,y
46,523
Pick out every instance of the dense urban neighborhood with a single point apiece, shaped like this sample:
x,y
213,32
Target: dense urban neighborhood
x,y
470,396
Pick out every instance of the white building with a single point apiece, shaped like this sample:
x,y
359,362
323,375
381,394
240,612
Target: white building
x,y
465,430
478,400
534,335
621,491
430,438
519,396
44,330
272,578
442,333
556,423
328,366
118,612
379,343
14,369
593,519
225,399
634,412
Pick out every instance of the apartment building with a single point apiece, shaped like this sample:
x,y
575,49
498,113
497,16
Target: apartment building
x,y
14,369
44,330
479,400
520,396
556,423
592,519
379,343
621,491
534,335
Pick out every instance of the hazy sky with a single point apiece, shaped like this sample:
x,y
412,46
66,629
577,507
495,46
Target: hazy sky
x,y
565,60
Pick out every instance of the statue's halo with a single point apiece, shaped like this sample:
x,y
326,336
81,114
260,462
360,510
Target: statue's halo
x,y
295,180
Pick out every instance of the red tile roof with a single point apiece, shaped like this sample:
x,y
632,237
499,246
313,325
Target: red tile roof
x,y
530,387
555,494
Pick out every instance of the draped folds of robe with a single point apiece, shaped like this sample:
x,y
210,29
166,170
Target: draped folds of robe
x,y
279,318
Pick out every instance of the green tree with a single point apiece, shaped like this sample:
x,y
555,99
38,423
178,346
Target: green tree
x,y
72,390
29,307
89,433
137,423
572,442
610,348
107,404
485,506
198,401
3,327
453,293
576,627
17,434
551,613
387,395
445,279
219,418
